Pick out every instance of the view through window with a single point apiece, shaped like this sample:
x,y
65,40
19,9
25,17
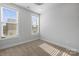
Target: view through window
x,y
35,24
8,22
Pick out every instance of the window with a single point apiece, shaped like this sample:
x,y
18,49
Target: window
x,y
35,24
9,22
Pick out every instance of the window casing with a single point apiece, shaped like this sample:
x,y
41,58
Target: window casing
x,y
35,24
9,22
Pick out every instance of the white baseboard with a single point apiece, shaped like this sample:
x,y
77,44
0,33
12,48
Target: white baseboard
x,y
64,46
15,44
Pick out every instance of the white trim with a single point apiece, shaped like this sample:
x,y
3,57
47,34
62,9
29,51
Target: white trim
x,y
58,44
15,44
36,22
35,33
17,19
15,36
17,14
1,21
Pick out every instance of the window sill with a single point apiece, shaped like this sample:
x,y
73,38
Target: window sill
x,y
35,33
9,37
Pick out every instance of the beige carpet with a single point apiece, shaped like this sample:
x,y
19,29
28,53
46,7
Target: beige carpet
x,y
52,50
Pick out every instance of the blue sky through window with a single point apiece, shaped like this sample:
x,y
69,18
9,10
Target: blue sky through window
x,y
34,20
8,14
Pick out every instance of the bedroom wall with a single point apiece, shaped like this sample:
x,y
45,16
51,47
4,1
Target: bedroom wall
x,y
60,25
24,20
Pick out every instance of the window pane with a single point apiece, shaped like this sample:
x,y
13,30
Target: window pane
x,y
34,19
9,15
9,25
35,24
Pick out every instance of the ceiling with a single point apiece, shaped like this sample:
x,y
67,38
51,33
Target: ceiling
x,y
36,7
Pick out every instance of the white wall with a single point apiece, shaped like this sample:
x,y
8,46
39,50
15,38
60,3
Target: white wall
x,y
24,28
60,25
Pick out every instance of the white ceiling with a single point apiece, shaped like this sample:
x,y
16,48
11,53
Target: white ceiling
x,y
36,8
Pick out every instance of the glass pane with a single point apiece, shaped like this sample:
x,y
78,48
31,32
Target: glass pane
x,y
9,15
34,20
8,22
9,29
35,24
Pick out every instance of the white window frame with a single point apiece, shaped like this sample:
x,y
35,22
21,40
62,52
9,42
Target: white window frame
x,y
17,15
39,24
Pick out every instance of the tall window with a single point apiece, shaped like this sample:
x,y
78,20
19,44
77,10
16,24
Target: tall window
x,y
35,24
8,22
